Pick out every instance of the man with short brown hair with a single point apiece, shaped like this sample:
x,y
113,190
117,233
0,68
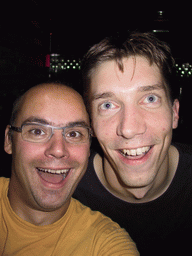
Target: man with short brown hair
x,y
142,181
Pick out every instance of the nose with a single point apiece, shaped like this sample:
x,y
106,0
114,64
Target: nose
x,y
57,146
131,123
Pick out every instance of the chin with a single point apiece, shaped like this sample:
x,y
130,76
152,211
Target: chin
x,y
137,180
50,202
48,206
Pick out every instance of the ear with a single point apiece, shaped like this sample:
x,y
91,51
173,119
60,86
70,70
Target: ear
x,y
175,108
8,141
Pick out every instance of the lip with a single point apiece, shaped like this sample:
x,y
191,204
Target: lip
x,y
136,160
53,185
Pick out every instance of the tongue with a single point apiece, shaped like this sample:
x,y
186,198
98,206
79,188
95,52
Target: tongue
x,y
51,178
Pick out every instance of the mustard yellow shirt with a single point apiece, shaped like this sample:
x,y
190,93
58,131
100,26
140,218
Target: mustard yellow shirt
x,y
80,232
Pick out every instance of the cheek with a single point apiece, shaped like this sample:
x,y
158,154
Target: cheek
x,y
25,152
102,131
104,128
80,154
161,123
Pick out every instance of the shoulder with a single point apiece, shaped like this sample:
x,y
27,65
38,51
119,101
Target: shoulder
x,y
84,211
3,184
96,219
108,234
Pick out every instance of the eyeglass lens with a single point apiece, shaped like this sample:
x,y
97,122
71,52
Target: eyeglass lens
x,y
42,133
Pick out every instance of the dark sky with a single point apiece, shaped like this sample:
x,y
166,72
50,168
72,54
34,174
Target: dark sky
x,y
78,32
78,25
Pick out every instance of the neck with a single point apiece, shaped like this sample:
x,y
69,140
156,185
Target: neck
x,y
143,194
34,215
133,194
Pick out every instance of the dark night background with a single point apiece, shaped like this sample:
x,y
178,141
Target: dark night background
x,y
32,29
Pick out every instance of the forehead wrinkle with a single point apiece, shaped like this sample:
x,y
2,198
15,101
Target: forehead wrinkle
x,y
34,119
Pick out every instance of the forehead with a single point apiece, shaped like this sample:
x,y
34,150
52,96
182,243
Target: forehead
x,y
137,73
58,106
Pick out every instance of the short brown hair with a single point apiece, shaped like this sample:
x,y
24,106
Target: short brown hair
x,y
133,44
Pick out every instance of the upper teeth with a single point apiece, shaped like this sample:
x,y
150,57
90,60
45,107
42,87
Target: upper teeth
x,y
54,171
135,152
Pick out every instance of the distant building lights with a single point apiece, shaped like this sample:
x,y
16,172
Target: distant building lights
x,y
59,63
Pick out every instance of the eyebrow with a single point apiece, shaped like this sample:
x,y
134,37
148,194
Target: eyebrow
x,y
146,88
151,87
102,95
33,119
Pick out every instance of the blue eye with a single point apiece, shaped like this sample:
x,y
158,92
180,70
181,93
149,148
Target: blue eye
x,y
107,105
150,99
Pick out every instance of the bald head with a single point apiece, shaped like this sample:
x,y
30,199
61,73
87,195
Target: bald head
x,y
66,147
47,96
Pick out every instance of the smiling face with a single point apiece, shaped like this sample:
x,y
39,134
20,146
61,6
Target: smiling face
x,y
133,119
44,175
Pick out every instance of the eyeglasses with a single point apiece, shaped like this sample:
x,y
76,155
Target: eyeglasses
x,y
40,133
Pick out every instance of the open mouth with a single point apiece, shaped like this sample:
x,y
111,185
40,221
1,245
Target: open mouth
x,y
53,176
135,153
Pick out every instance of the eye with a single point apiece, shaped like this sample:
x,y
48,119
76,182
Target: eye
x,y
107,105
37,132
151,99
74,134
78,134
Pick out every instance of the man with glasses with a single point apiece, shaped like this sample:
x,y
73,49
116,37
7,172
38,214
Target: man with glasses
x,y
49,139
